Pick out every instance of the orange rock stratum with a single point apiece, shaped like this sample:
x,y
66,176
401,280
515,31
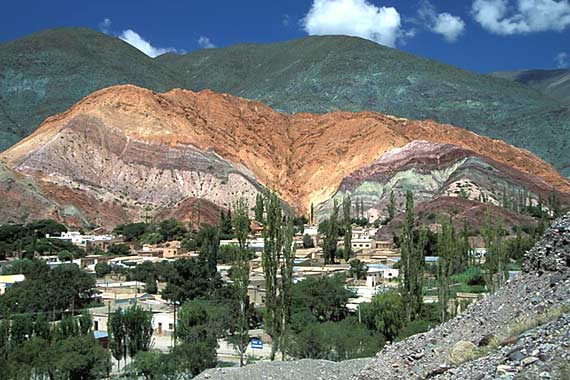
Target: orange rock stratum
x,y
304,156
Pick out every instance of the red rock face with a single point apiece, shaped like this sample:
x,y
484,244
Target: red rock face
x,y
129,149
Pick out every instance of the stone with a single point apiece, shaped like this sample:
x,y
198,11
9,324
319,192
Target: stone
x,y
462,351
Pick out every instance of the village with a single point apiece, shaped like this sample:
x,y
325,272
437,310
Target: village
x,y
371,269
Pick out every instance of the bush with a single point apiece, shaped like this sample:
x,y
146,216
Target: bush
x,y
308,241
102,269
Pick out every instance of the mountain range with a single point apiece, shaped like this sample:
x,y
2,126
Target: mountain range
x,y
554,83
47,72
124,152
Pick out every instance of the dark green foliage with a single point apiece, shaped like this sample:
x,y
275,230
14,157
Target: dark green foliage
x,y
119,250
151,286
240,277
54,291
81,358
271,257
197,331
357,269
308,241
336,341
324,297
154,365
386,311
225,226
102,269
412,263
347,251
258,210
391,207
210,245
190,279
130,332
496,256
131,231
330,240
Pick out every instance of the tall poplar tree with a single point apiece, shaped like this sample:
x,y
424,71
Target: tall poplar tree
x,y
273,247
285,292
412,246
240,274
391,206
259,207
447,249
346,203
330,240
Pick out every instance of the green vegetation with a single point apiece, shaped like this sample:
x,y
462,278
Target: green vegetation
x,y
412,245
30,347
347,221
46,291
240,276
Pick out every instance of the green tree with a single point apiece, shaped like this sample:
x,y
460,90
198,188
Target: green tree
x,y
286,284
308,241
81,358
496,256
347,228
138,328
324,297
150,286
240,273
271,257
102,269
196,330
387,310
330,240
210,246
117,335
65,256
358,269
447,250
412,245
391,206
258,210
154,365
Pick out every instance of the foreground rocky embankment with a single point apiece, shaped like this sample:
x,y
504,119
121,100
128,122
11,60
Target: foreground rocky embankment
x,y
520,332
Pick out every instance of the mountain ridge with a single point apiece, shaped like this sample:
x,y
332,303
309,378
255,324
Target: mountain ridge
x,y
313,74
139,147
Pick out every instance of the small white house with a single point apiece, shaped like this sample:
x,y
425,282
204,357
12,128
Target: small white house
x,y
163,323
6,282
377,273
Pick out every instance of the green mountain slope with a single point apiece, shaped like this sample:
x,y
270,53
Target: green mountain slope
x,y
320,74
554,83
46,72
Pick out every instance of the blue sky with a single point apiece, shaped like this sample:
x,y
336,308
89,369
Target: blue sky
x,y
478,35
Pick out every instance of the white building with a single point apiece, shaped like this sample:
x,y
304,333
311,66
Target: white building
x,y
378,273
76,238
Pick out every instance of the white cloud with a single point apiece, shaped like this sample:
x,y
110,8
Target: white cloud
x,y
507,17
446,24
205,43
105,26
561,60
357,18
133,38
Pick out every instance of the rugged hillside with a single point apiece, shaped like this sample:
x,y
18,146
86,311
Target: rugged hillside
x,y
46,72
328,73
521,331
554,83
138,149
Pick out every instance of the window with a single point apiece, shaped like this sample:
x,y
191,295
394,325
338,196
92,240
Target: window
x,y
171,326
96,325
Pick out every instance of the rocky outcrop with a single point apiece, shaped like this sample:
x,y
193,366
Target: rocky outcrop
x,y
522,328
140,149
